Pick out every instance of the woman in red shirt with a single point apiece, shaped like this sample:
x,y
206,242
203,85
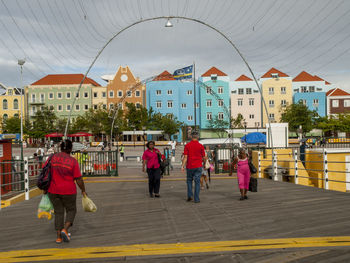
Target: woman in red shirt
x,y
62,192
151,160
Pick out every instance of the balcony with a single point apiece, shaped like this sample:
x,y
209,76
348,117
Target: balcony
x,y
37,101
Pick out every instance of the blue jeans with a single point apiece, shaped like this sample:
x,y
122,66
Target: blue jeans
x,y
194,174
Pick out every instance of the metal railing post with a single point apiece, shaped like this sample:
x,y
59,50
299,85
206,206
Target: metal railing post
x,y
325,169
275,170
26,178
296,167
259,164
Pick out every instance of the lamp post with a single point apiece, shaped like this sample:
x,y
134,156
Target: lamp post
x,y
245,132
134,138
144,141
21,63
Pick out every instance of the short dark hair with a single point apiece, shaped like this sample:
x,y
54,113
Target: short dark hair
x,y
66,145
148,143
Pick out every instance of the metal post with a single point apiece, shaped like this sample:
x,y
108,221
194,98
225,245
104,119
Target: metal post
x,y
325,169
259,163
26,178
194,96
275,170
117,156
296,180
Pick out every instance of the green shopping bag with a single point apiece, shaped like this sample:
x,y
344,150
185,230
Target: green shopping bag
x,y
45,209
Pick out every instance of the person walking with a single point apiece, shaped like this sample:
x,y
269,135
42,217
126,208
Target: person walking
x,y
173,147
168,158
243,173
65,173
122,149
194,155
151,159
210,155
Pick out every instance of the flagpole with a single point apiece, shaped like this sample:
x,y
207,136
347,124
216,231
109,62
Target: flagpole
x,y
194,96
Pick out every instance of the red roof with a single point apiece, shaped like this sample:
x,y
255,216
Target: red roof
x,y
337,92
214,71
274,71
318,78
165,75
327,83
243,78
304,76
64,79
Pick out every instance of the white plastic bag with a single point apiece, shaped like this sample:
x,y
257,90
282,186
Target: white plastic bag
x,y
88,205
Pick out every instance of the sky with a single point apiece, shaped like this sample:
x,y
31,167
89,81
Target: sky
x,y
64,36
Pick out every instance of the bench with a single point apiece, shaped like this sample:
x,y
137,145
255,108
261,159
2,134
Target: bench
x,y
138,158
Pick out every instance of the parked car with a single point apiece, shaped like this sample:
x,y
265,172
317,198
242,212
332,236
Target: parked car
x,y
77,146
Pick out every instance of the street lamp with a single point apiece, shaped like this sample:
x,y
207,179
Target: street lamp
x,y
144,141
21,63
245,132
134,137
168,23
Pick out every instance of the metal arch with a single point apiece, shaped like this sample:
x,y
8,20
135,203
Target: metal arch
x,y
172,17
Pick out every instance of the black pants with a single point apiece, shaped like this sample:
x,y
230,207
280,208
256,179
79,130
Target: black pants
x,y
61,203
153,180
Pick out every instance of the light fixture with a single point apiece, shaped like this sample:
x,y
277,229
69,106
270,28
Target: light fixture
x,y
21,62
168,23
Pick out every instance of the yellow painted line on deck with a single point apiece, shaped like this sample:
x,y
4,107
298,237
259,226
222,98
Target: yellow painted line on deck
x,y
146,180
169,249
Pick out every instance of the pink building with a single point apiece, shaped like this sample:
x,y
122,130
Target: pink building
x,y
246,100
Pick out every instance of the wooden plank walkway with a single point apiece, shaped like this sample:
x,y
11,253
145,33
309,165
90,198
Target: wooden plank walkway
x,y
127,216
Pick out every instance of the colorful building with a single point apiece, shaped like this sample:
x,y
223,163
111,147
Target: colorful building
x,y
11,102
311,90
57,93
124,87
338,101
246,100
277,92
174,98
215,81
99,97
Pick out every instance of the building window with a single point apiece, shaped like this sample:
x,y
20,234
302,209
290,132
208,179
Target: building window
x,y
251,116
170,115
240,91
283,103
158,92
33,97
4,104
111,106
86,94
137,93
190,118
138,105
51,107
68,95
95,107
240,102
86,107
77,107
209,116
95,94
302,101
271,90
68,107
220,103
183,106
220,115
9,92
170,92
311,88
50,95
77,94
208,103
271,103
120,105
15,104
272,116
346,103
274,75
248,91
59,107
104,106
129,93
283,90
197,105
59,95
315,102
120,93
5,117
214,77
42,108
111,94
104,94
220,90
251,102
208,90
303,89
189,92
335,103
158,104
42,97
170,103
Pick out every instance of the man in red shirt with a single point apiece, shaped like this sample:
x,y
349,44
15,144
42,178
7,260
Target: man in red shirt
x,y
194,155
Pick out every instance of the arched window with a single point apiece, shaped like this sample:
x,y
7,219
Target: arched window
x,y
4,104
15,104
16,115
5,117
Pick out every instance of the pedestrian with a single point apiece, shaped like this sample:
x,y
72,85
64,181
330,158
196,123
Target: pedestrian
x,y
151,164
122,151
243,172
168,158
194,155
65,173
210,155
173,147
204,177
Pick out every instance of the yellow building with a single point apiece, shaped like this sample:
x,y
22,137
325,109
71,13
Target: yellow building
x,y
10,103
278,93
99,97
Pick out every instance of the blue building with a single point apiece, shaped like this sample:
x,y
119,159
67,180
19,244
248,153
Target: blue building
x,y
173,97
210,106
311,91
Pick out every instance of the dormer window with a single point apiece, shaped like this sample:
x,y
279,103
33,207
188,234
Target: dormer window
x,y
214,77
274,75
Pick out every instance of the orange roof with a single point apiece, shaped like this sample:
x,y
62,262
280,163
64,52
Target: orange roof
x,y
64,79
274,71
304,76
243,78
337,92
165,75
214,71
327,83
318,78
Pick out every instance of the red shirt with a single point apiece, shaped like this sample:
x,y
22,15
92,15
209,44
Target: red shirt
x,y
195,153
151,158
64,170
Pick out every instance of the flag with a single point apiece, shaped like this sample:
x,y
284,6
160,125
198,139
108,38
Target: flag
x,y
183,73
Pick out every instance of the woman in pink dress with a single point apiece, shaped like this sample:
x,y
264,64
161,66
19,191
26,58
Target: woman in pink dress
x,y
243,173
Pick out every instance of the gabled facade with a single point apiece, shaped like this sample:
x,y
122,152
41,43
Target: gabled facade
x,y
210,106
338,101
311,90
246,100
11,102
277,91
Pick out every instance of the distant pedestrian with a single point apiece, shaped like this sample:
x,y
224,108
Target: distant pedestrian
x,y
243,173
151,164
62,191
194,155
173,147
168,158
210,156
122,150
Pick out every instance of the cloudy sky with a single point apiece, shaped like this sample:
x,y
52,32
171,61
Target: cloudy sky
x,y
64,36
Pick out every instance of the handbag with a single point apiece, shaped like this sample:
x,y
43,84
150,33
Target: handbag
x,y
253,184
252,168
207,165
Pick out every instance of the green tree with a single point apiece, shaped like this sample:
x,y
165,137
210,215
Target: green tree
x,y
11,125
218,126
170,126
43,123
137,117
238,122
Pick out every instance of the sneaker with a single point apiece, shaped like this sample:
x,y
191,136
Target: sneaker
x,y
65,235
58,240
157,195
207,186
245,197
151,195
197,202
189,199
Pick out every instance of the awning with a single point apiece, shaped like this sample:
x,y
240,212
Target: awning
x,y
142,132
80,134
54,135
